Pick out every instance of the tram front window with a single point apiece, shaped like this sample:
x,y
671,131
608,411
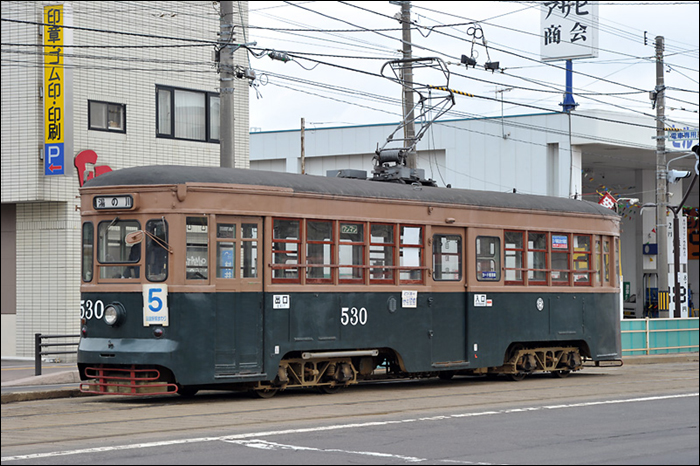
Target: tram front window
x,y
157,250
120,259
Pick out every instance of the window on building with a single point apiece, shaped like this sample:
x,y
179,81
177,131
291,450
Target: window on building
x,y
187,114
447,257
106,116
488,258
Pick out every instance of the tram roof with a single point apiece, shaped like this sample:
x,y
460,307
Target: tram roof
x,y
345,187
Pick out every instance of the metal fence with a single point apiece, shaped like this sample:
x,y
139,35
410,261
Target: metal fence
x,y
39,347
659,336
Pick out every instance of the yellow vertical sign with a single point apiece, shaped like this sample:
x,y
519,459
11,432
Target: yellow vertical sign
x,y
54,90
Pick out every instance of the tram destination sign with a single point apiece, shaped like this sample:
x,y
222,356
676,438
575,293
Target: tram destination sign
x,y
113,202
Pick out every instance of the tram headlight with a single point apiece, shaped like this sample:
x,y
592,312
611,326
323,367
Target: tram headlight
x,y
114,314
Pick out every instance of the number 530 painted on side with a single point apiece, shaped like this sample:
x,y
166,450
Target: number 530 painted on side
x,y
155,305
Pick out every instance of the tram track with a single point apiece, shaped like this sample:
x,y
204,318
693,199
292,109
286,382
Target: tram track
x,y
86,419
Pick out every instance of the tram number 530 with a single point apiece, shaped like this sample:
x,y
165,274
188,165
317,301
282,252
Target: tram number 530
x,y
353,316
90,309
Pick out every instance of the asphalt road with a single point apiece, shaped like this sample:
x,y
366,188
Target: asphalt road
x,y
636,414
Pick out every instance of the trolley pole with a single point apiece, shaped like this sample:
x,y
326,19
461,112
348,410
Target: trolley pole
x,y
661,188
226,76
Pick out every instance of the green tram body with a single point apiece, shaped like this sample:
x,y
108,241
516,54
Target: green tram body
x,y
265,334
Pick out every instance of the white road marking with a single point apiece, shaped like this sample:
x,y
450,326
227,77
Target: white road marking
x,y
257,435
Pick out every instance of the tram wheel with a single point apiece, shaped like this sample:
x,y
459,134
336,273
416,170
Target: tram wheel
x,y
186,391
560,374
329,390
516,377
262,393
446,375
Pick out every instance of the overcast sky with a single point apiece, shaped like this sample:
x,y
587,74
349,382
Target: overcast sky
x,y
339,49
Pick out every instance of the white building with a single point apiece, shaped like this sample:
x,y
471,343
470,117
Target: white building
x,y
141,88
533,154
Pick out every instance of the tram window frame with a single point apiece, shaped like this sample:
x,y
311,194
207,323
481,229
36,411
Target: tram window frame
x,y
352,271
289,271
226,241
194,250
607,275
112,240
381,254
249,251
157,251
319,248
443,255
582,260
490,257
560,259
411,272
88,251
517,254
534,275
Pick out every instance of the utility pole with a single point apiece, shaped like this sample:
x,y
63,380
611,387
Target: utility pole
x,y
226,76
661,233
409,129
303,150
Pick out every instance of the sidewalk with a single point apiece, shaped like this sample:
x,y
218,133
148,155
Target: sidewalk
x,y
62,381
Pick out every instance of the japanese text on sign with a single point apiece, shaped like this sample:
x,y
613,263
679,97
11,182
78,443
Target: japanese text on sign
x,y
54,90
569,30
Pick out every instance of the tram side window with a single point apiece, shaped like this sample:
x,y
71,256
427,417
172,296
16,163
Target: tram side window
x,y
249,250
488,258
88,250
286,240
157,250
225,250
381,253
197,253
113,250
598,262
447,257
319,251
606,262
351,252
582,259
411,254
514,253
561,249
537,258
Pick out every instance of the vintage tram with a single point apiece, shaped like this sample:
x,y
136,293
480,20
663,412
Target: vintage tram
x,y
218,278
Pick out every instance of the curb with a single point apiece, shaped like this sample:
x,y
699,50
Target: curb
x,y
41,395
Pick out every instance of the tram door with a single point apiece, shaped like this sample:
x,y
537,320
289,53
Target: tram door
x,y
238,280
447,305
